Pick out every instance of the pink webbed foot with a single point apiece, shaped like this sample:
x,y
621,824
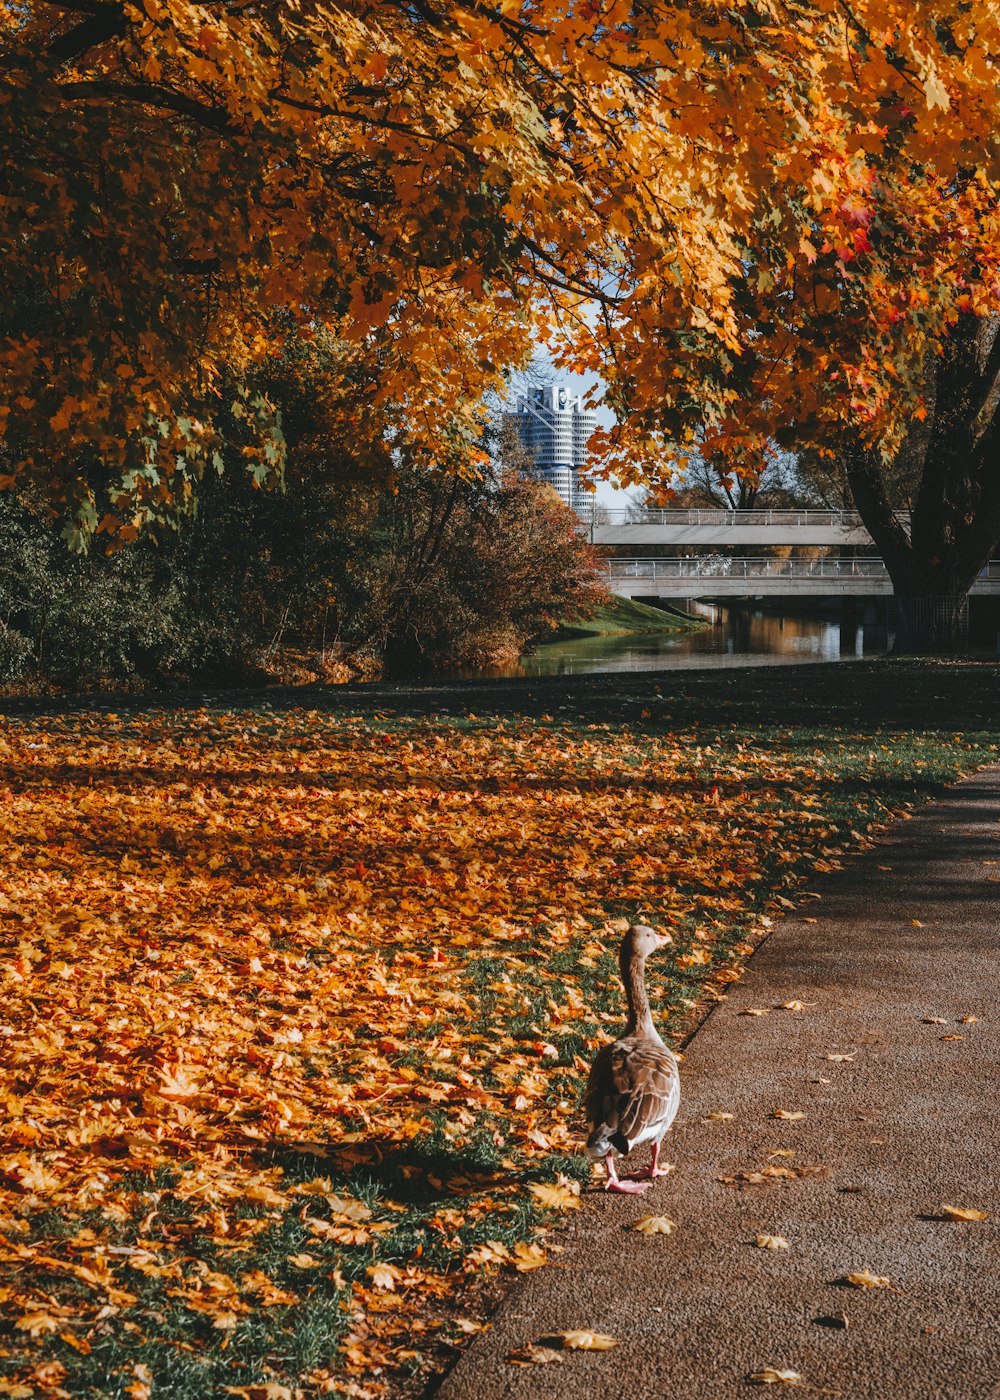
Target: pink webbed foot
x,y
615,1182
627,1186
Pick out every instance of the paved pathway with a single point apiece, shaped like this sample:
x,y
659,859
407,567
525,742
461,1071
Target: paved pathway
x,y
905,1125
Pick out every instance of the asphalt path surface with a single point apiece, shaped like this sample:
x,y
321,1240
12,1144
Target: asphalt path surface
x,y
905,1123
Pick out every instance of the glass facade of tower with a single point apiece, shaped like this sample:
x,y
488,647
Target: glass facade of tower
x,y
555,429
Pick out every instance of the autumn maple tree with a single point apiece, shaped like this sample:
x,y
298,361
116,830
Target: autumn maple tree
x,y
865,311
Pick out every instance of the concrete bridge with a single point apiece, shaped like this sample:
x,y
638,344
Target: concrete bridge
x,y
712,576
701,529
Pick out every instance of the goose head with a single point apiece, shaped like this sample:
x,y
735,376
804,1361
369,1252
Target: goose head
x,y
641,940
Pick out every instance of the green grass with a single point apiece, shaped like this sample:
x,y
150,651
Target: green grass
x,y
622,616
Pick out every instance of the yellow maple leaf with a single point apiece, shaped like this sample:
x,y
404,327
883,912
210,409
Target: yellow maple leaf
x,y
653,1225
564,1195
528,1256
384,1276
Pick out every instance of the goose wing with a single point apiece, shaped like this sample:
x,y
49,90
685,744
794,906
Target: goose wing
x,y
632,1095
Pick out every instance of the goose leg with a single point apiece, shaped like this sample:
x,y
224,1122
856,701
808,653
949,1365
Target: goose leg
x,y
654,1170
615,1183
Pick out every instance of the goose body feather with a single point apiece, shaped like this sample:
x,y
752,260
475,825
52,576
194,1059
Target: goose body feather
x,y
633,1094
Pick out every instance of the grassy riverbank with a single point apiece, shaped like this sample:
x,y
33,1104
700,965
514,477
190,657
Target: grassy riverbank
x,y
623,616
299,989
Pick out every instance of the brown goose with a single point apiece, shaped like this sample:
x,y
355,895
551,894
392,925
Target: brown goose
x,y
634,1089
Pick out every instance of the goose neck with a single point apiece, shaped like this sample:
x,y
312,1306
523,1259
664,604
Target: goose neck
x,y
633,971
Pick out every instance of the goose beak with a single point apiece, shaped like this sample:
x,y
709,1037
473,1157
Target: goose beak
x,y
663,939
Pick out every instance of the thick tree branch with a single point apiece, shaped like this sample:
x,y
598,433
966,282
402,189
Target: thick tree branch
x,y
106,22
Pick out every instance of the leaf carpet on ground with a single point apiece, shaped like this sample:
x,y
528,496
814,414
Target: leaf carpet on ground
x,y
298,1004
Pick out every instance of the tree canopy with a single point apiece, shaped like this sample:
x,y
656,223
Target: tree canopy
x,y
438,184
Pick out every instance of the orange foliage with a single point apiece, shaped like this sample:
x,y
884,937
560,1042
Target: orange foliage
x,y
444,182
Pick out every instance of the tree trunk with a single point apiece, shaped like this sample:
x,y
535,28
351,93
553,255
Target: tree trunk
x,y
954,524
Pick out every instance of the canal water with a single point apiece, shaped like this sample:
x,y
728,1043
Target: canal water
x,y
734,636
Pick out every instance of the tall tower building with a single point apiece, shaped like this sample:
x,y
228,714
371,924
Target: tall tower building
x,y
555,429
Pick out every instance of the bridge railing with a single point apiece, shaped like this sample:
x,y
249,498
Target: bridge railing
x,y
844,519
717,566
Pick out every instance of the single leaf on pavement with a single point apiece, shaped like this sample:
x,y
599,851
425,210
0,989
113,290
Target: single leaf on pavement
x,y
864,1278
535,1356
720,1117
963,1213
585,1341
653,1225
772,1242
772,1375
791,1115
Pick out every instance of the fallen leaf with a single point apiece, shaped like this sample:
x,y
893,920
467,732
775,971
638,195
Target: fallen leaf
x,y
794,1005
840,1059
535,1356
720,1117
305,1261
791,1115
753,1011
562,1195
772,1242
653,1225
528,1256
963,1213
968,1020
771,1375
384,1276
866,1279
266,1391
37,1324
934,1020
953,1037
584,1341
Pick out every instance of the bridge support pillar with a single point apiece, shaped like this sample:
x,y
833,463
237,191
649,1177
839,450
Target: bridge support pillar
x,y
851,615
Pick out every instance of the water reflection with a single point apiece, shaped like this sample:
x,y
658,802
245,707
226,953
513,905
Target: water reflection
x,y
735,637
